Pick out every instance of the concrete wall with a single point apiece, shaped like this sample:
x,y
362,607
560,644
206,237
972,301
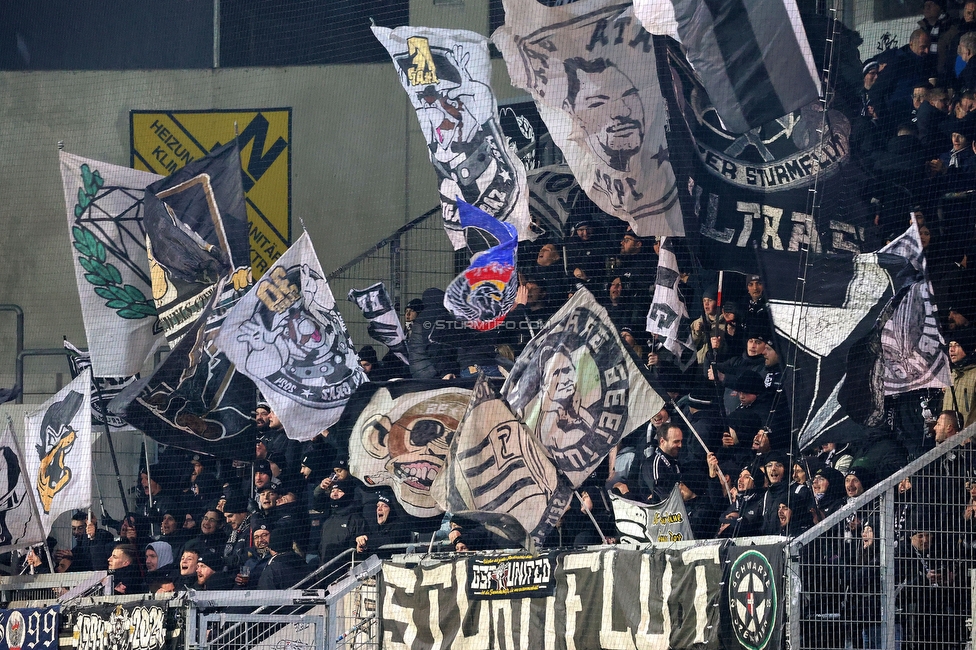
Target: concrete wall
x,y
359,165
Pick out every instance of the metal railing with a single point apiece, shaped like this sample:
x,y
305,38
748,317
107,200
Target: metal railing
x,y
417,256
18,313
890,568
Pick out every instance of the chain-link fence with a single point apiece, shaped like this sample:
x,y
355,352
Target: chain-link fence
x,y
890,569
414,258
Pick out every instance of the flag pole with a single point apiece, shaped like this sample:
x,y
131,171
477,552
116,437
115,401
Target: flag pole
x,y
111,446
590,515
152,525
721,476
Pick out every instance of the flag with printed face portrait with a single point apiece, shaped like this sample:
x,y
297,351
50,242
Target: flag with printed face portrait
x,y
592,71
577,389
105,216
58,437
288,337
485,292
447,76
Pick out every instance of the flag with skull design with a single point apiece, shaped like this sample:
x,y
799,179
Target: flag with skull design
x,y
398,433
288,337
59,473
447,76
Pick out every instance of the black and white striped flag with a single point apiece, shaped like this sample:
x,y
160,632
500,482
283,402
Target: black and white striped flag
x,y
668,315
752,56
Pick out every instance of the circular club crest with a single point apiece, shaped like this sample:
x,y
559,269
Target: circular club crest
x,y
15,630
752,600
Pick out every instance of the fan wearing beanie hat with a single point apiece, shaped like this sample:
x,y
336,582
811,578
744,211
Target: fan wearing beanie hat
x,y
385,527
211,575
961,395
286,567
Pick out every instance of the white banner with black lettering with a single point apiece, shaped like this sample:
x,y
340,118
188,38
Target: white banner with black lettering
x,y
611,598
642,523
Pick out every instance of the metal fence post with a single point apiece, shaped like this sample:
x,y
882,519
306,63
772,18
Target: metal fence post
x,y
887,562
396,274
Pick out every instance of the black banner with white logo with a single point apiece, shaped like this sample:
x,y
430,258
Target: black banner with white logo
x,y
133,626
512,576
753,598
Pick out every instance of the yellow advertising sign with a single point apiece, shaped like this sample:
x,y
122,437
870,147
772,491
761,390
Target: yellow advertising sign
x,y
163,142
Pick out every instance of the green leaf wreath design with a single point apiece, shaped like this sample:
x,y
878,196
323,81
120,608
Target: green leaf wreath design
x,y
127,301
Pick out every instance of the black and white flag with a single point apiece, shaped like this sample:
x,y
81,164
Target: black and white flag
x,y
752,56
103,390
199,260
20,525
651,523
592,71
447,76
668,315
577,389
288,337
384,325
842,300
914,351
495,465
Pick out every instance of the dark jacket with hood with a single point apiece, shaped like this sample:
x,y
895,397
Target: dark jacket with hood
x,y
344,524
428,359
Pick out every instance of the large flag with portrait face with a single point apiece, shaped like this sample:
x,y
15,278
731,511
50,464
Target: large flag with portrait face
x,y
592,71
105,218
19,524
398,434
496,466
447,76
58,437
577,388
288,337
485,292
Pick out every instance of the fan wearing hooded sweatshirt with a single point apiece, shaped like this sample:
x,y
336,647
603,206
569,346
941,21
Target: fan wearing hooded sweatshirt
x,y
159,564
828,491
